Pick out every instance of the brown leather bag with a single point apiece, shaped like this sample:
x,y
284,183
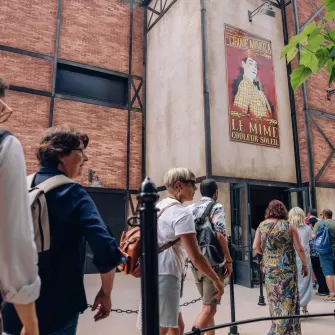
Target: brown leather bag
x,y
130,246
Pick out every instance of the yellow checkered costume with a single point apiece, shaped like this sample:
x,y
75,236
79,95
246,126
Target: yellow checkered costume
x,y
251,100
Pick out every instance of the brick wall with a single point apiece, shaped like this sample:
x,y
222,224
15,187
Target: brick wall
x,y
94,33
29,24
107,129
97,33
317,87
29,119
20,70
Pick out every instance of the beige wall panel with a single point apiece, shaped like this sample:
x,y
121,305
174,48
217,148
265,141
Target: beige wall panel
x,y
325,198
236,159
175,121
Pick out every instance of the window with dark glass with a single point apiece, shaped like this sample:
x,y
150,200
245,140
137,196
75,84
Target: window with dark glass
x,y
90,84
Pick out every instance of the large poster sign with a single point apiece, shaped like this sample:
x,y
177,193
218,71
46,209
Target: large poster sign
x,y
253,112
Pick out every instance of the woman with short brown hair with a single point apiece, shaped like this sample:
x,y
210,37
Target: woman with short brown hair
x,y
277,241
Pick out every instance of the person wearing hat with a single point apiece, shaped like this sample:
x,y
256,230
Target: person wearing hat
x,y
248,95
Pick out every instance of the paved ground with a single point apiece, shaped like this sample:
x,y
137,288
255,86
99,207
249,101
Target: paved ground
x,y
126,295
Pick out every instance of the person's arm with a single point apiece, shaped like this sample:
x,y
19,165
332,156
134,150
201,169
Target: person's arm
x,y
256,248
190,243
20,283
300,249
226,253
219,223
107,255
315,229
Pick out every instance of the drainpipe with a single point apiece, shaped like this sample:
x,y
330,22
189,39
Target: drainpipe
x,y
207,121
293,110
306,119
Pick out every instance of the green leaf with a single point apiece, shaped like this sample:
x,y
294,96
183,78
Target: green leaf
x,y
330,5
290,46
330,16
308,59
315,42
323,57
332,76
299,76
330,65
332,52
330,36
309,29
316,32
291,54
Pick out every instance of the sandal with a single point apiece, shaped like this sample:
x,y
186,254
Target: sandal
x,y
305,312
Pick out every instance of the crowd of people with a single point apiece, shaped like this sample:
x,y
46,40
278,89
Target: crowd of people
x,y
295,251
46,219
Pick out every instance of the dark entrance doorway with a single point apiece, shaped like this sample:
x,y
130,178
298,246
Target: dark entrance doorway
x,y
249,203
111,206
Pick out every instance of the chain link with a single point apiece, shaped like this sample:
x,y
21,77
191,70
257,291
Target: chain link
x,y
129,311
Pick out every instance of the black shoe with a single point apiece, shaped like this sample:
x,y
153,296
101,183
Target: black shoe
x,y
322,294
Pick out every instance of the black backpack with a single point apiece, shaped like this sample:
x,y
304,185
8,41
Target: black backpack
x,y
206,236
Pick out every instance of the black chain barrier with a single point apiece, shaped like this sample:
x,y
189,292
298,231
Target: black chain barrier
x,y
129,311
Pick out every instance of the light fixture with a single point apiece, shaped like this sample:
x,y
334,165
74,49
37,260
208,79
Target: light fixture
x,y
268,10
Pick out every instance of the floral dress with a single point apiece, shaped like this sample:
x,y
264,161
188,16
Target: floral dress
x,y
281,277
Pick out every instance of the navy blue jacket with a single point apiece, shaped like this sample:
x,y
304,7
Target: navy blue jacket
x,y
73,219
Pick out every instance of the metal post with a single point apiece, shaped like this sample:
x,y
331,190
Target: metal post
x,y
149,258
261,300
293,108
233,329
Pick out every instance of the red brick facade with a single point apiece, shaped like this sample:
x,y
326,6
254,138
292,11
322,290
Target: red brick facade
x,y
94,33
317,87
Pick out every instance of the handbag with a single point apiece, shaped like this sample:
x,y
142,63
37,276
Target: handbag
x,y
261,264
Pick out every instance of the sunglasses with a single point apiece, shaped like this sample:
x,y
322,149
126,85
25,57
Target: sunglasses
x,y
5,111
192,182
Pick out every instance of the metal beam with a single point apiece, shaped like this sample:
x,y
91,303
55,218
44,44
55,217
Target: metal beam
x,y
321,132
322,114
317,13
93,68
207,115
130,61
54,77
161,15
306,118
144,91
29,90
25,52
292,107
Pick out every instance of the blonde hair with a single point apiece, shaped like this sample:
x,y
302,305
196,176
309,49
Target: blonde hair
x,y
296,217
177,174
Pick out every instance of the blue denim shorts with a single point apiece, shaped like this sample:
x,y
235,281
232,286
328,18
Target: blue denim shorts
x,y
328,264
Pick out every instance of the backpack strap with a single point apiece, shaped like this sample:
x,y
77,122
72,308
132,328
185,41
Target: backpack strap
x,y
207,212
4,134
171,243
50,183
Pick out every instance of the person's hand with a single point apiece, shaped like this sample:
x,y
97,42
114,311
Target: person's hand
x,y
304,271
103,303
228,269
219,287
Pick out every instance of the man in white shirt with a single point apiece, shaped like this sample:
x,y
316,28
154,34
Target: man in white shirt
x,y
19,280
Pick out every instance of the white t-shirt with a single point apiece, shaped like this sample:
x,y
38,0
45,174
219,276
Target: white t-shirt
x,y
176,220
19,280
